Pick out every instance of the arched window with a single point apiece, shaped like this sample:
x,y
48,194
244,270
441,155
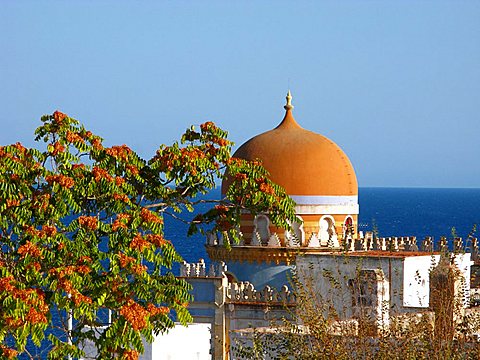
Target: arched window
x,y
348,227
327,234
296,236
262,227
231,277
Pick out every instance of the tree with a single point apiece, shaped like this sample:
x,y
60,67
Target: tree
x,y
81,234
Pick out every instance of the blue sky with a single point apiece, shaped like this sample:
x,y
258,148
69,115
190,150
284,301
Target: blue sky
x,y
395,83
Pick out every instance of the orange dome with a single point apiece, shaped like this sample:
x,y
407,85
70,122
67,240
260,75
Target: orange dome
x,y
303,162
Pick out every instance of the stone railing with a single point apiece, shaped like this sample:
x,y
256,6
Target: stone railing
x,y
199,269
246,292
410,243
367,242
237,292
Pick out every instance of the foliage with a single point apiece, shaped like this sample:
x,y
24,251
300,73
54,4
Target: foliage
x,y
81,233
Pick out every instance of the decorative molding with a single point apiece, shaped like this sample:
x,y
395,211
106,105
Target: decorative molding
x,y
347,209
324,200
274,241
198,270
256,241
260,254
245,292
314,242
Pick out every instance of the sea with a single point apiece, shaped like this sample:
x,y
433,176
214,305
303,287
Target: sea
x,y
416,212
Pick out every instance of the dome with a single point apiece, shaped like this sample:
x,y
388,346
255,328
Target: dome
x,y
305,163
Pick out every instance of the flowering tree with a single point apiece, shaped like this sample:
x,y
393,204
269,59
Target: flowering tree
x,y
81,234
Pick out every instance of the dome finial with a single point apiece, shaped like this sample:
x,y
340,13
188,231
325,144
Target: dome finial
x,y
289,105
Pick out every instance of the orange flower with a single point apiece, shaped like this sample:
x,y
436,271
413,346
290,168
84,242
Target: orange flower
x,y
20,148
36,266
135,314
241,176
267,189
132,169
153,310
12,202
97,144
85,259
12,322
221,208
119,181
118,225
35,317
125,260
6,284
121,197
73,137
139,243
233,160
66,285
78,166
130,355
89,222
67,270
148,216
57,148
156,239
44,201
62,180
194,153
221,141
8,352
99,174
29,249
30,230
208,126
138,269
78,298
119,152
49,230
58,117
120,222
83,269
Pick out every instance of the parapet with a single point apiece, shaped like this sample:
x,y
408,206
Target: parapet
x,y
238,292
364,242
215,270
245,292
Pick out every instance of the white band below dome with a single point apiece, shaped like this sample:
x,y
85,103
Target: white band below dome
x,y
348,209
325,200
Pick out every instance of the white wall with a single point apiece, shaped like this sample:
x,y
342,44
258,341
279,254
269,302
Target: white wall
x,y
183,343
416,280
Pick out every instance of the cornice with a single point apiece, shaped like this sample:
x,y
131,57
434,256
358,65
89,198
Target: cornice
x,y
260,254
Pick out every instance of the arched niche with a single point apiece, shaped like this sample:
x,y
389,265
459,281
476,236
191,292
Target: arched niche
x,y
295,236
348,223
262,227
231,277
327,233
